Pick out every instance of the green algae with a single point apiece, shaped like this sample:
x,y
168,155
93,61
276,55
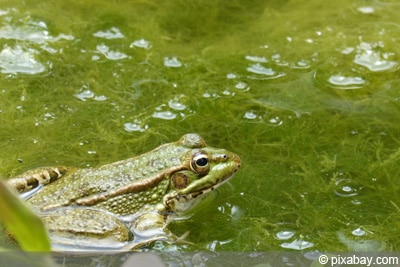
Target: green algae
x,y
305,92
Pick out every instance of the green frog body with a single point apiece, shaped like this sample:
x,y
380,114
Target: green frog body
x,y
126,204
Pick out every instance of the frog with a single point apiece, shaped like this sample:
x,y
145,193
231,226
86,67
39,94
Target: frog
x,y
128,204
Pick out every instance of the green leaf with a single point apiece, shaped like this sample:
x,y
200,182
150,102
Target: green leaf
x,y
21,222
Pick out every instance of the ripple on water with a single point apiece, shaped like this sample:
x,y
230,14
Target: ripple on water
x,y
19,60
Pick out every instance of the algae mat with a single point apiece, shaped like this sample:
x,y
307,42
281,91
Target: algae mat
x,y
306,92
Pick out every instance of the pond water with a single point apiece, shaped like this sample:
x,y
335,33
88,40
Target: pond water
x,y
306,92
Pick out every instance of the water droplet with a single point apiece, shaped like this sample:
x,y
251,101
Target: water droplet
x,y
297,245
142,43
165,115
259,69
172,62
284,235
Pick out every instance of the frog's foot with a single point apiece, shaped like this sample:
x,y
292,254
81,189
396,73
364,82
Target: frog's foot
x,y
180,239
34,178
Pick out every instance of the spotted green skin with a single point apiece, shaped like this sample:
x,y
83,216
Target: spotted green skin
x,y
127,204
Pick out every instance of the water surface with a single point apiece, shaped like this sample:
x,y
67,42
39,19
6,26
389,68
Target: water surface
x,y
306,92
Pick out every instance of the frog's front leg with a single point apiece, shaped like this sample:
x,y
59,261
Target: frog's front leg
x,y
32,179
152,226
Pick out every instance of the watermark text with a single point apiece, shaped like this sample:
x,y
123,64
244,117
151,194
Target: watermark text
x,y
338,260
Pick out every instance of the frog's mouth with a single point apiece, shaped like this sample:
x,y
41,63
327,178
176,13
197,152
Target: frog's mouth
x,y
179,203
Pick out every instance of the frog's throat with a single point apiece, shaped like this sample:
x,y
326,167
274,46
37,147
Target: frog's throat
x,y
131,188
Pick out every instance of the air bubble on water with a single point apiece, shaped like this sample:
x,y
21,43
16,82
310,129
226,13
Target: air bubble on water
x,y
370,56
113,33
250,115
344,188
297,245
134,127
172,62
366,9
231,76
276,121
19,60
175,104
347,50
227,92
358,232
85,95
241,86
284,235
109,54
141,43
257,59
345,82
165,115
100,98
259,69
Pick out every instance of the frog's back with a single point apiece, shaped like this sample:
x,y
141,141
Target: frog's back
x,y
89,182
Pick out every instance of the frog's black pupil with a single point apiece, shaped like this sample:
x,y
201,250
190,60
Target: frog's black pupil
x,y
202,162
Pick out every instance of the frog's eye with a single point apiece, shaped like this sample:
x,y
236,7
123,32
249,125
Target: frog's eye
x,y
199,163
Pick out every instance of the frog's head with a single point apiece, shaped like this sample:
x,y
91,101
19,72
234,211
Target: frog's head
x,y
205,168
